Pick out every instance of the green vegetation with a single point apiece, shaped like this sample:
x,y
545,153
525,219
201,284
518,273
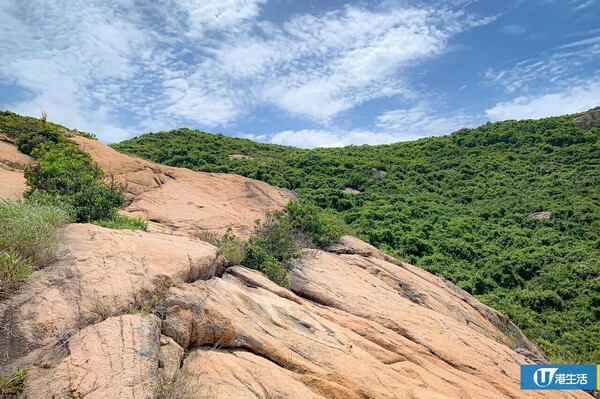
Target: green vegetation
x,y
27,240
13,270
457,206
11,386
117,221
65,173
274,243
279,239
65,176
230,246
283,236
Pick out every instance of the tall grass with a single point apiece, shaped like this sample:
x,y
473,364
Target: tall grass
x,y
27,239
29,230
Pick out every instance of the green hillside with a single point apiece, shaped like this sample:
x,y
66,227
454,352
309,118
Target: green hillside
x,y
457,206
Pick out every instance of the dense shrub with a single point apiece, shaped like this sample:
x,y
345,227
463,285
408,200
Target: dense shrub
x,y
63,172
284,236
28,141
321,225
274,243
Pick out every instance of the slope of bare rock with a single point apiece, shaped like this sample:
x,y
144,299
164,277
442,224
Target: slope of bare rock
x,y
441,294
99,273
136,175
182,201
12,165
248,339
117,358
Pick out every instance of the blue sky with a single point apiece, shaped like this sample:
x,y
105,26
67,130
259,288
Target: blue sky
x,y
304,73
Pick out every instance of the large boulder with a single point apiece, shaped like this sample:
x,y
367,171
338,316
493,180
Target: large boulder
x,y
99,273
183,201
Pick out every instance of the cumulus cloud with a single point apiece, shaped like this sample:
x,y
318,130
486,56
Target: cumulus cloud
x,y
405,124
421,120
308,138
117,66
574,99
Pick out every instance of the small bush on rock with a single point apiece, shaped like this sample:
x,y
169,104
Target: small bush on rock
x,y
11,386
273,245
123,222
63,172
322,226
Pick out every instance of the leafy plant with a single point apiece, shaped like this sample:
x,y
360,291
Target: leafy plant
x,y
230,246
64,172
321,225
11,386
273,244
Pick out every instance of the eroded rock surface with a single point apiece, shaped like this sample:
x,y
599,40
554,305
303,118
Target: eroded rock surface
x,y
357,337
182,201
117,358
100,273
12,165
588,119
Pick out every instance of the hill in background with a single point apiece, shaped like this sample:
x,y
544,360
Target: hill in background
x,y
509,211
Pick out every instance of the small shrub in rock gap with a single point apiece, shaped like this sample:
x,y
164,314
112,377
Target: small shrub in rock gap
x,y
230,246
11,386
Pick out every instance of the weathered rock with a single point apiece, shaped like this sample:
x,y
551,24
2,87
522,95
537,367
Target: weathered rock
x,y
362,338
588,119
12,165
379,174
117,358
239,374
351,191
240,156
356,324
171,355
353,246
100,273
181,200
540,215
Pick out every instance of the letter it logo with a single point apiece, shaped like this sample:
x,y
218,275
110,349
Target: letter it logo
x,y
543,377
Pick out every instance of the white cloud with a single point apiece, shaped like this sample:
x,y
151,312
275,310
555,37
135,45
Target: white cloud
x,y
308,138
210,62
421,120
585,4
579,98
71,59
398,125
554,71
